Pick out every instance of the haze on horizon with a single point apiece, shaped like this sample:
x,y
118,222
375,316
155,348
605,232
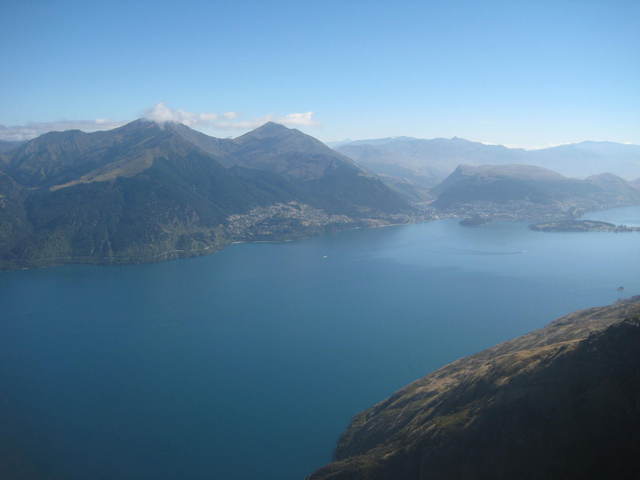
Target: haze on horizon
x,y
513,73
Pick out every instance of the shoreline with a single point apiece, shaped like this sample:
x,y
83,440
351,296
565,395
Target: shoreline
x,y
177,254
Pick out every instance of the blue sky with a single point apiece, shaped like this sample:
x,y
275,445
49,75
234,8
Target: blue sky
x,y
526,73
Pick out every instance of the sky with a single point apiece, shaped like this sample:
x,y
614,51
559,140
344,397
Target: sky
x,y
519,73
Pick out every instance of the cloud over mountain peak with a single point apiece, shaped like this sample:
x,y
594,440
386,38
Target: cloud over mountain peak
x,y
161,113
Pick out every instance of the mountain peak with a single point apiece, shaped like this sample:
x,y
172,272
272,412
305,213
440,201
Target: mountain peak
x,y
267,130
149,127
273,126
139,124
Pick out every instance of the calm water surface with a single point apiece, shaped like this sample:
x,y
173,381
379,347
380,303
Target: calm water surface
x,y
249,363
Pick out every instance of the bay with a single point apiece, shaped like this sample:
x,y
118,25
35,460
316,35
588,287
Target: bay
x,y
249,363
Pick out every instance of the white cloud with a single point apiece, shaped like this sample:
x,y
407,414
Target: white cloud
x,y
225,121
303,119
161,113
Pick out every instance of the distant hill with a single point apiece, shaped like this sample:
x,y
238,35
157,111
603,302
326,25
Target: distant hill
x,y
615,190
524,189
557,403
423,163
148,191
589,158
426,162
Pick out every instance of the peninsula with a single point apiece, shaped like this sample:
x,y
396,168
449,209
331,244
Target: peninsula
x,y
581,226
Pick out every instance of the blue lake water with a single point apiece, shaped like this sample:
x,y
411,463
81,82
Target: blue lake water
x,y
249,363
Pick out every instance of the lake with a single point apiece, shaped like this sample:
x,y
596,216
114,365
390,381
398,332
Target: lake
x,y
249,363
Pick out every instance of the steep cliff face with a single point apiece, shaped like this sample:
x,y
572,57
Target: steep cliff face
x,y
561,402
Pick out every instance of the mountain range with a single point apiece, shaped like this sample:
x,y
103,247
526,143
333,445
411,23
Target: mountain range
x,y
562,402
415,164
149,191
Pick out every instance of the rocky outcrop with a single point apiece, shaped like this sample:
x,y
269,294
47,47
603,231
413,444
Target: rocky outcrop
x,y
562,402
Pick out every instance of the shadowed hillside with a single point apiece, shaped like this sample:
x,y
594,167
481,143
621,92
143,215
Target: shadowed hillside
x,y
558,403
151,191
